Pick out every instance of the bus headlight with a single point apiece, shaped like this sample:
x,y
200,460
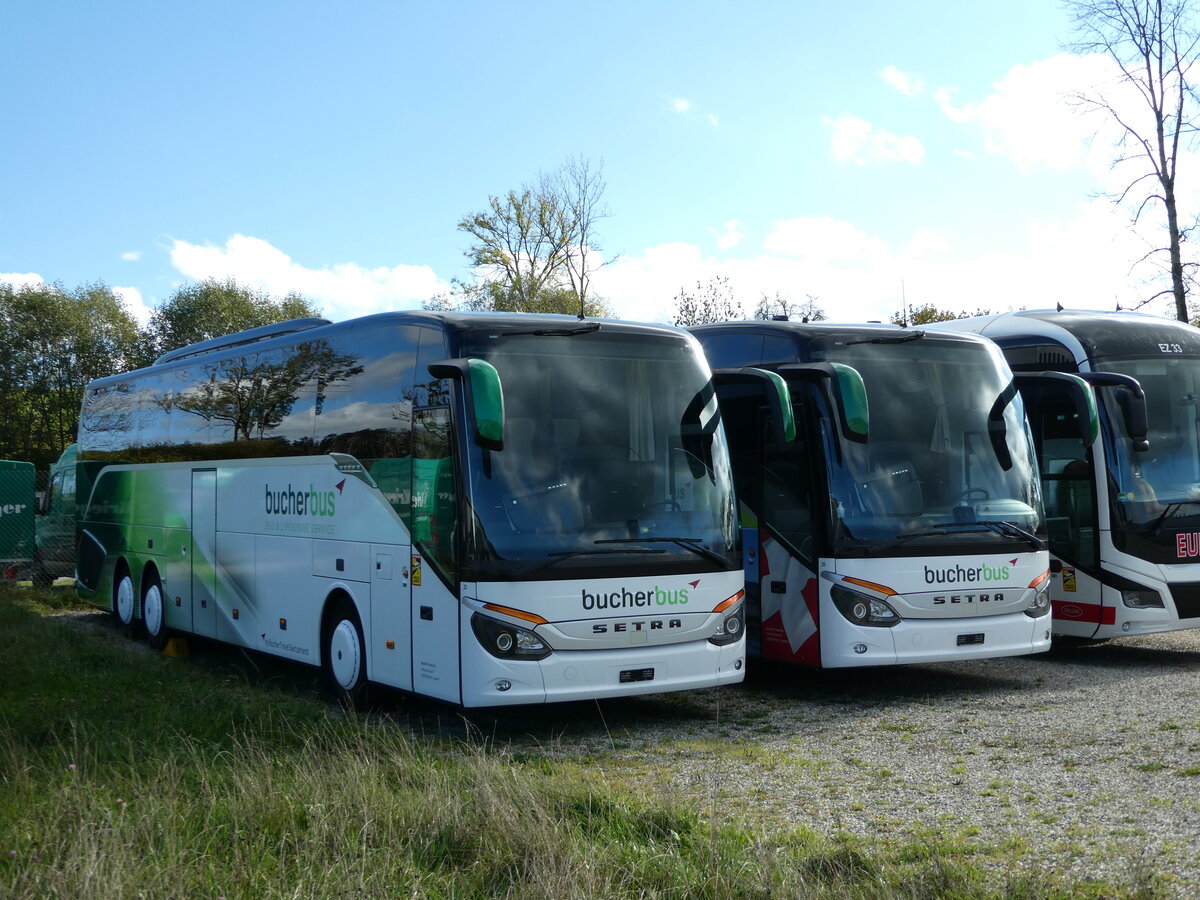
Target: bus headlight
x,y
731,627
863,610
1039,606
506,641
1143,599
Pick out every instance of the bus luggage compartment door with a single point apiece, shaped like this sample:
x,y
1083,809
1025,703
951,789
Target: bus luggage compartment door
x,y
203,552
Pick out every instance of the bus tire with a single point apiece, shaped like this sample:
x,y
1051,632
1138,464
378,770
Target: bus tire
x,y
123,597
38,575
345,655
154,612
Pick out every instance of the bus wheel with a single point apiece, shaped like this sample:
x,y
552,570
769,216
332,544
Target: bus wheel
x,y
154,614
38,574
345,660
123,599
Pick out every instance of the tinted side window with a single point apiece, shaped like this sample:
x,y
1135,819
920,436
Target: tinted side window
x,y
435,490
778,349
363,394
732,348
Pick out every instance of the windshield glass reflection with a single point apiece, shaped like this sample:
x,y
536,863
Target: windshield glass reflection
x,y
948,452
613,454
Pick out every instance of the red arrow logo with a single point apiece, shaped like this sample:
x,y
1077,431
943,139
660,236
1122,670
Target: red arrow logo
x,y
340,485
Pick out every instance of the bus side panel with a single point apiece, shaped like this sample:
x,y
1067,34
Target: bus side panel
x,y
204,552
790,606
435,633
1076,600
389,654
238,613
288,598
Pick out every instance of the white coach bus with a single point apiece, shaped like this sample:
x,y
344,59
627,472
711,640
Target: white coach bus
x,y
904,523
482,509
1124,514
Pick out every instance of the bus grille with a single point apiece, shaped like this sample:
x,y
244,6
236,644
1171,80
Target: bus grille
x,y
1187,600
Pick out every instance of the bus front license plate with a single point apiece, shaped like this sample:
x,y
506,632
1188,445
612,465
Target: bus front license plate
x,y
630,675
964,639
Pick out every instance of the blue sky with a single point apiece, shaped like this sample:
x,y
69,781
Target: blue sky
x,y
848,152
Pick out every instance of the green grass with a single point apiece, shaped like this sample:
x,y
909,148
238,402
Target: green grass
x,y
125,774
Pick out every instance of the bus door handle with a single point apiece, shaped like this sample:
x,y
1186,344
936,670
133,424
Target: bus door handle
x,y
427,613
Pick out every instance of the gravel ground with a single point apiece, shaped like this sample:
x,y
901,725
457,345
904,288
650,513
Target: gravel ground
x,y
1090,752
1086,758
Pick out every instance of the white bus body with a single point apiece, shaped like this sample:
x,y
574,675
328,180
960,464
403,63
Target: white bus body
x,y
1123,514
482,509
903,524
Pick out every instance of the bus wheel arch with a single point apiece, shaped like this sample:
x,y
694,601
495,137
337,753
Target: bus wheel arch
x,y
154,610
123,594
343,650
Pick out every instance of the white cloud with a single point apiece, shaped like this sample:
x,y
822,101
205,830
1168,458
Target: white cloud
x,y
341,290
21,279
1082,262
730,234
131,297
858,141
131,255
1031,117
908,85
824,239
685,107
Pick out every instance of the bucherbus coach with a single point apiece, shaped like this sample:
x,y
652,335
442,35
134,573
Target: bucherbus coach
x,y
482,509
904,523
1123,514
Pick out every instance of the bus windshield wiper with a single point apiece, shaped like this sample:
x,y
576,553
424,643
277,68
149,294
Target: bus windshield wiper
x,y
565,331
556,558
1005,529
1016,532
688,543
891,339
1169,511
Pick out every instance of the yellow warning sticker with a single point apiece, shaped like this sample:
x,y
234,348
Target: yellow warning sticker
x,y
416,569
1068,579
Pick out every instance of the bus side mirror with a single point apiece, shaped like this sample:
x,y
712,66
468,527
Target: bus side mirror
x,y
1132,401
1081,394
848,391
484,397
775,389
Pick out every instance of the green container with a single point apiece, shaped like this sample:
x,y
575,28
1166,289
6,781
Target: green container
x,y
16,512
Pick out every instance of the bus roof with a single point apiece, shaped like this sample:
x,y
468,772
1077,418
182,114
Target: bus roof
x,y
1087,334
311,329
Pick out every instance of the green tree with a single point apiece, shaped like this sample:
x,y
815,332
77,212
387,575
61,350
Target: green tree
x,y
806,310
211,308
927,314
56,341
533,249
712,302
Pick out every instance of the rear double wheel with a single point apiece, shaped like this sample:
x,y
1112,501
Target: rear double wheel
x,y
154,613
123,599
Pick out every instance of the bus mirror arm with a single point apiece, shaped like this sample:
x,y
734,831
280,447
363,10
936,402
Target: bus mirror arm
x,y
847,390
1132,401
1081,393
483,394
774,388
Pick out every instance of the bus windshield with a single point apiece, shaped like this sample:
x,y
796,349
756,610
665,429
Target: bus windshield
x,y
1157,490
949,465
613,460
